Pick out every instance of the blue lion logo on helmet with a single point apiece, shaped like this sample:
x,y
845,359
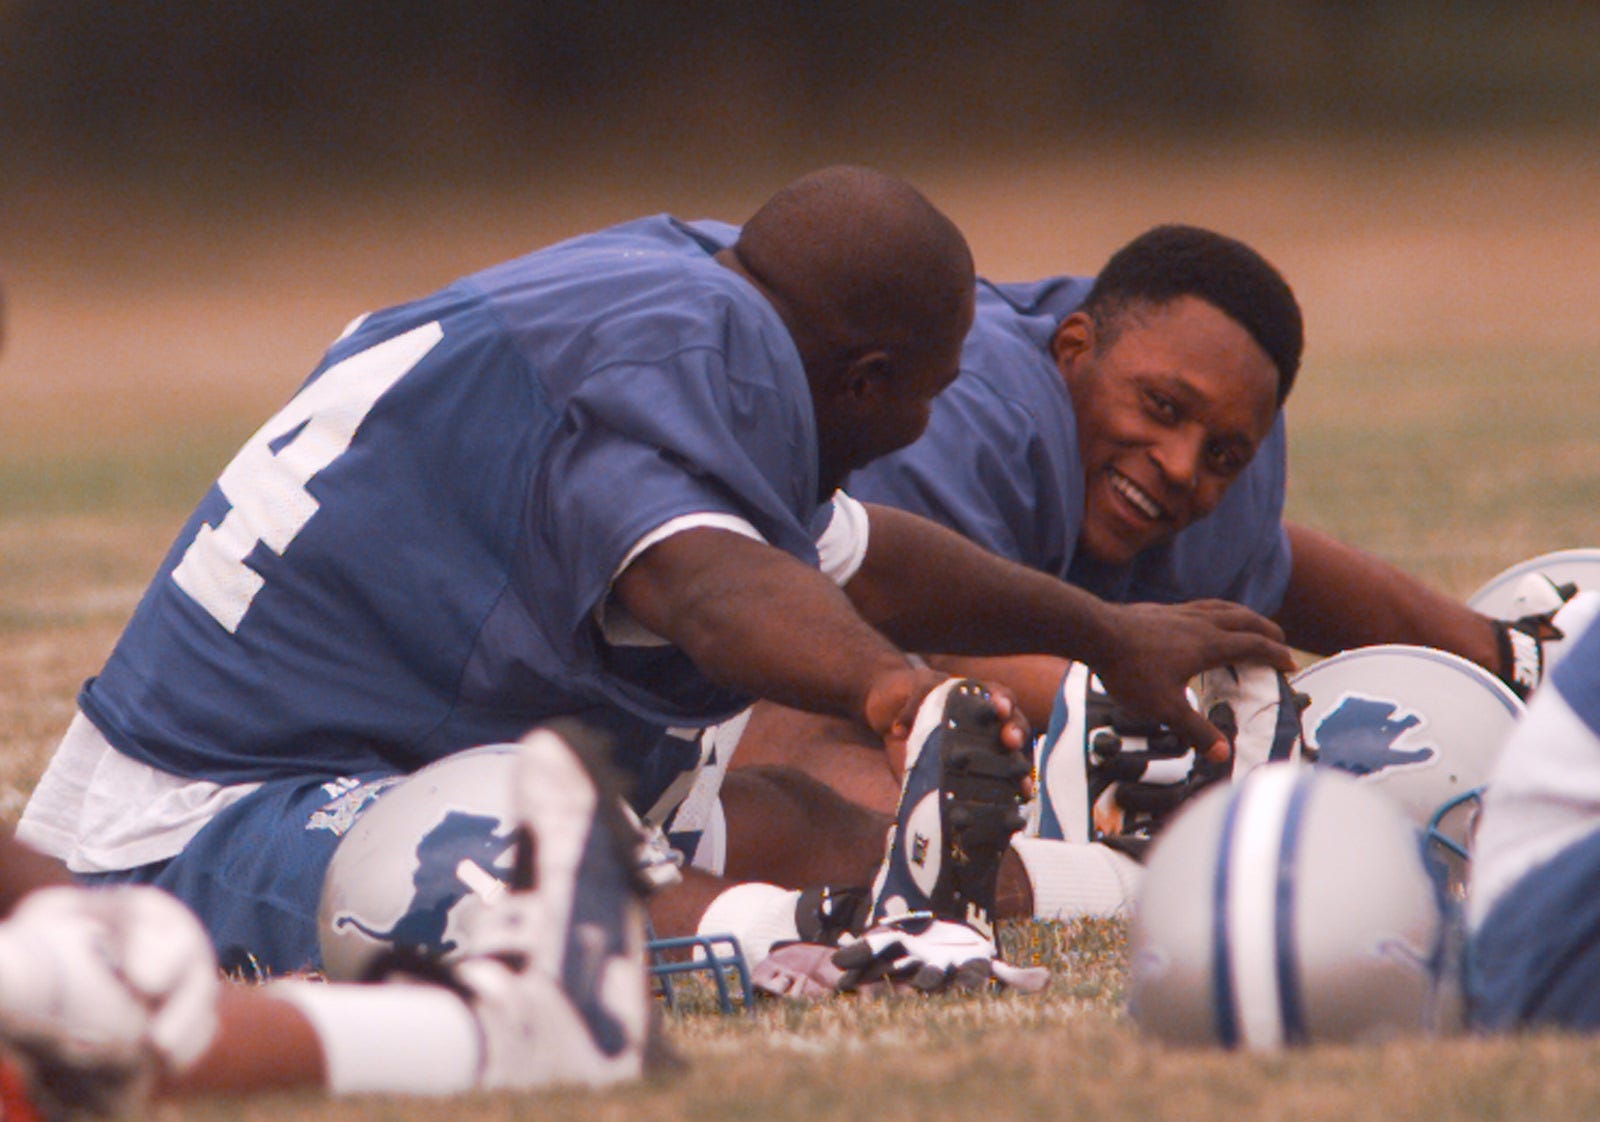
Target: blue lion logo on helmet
x,y
1358,736
436,887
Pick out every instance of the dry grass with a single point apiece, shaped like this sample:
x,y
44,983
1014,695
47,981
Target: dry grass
x,y
1444,420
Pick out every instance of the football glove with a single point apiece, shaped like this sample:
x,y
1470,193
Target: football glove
x,y
909,953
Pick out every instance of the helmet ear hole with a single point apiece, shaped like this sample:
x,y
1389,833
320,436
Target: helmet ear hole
x,y
1290,907
1421,726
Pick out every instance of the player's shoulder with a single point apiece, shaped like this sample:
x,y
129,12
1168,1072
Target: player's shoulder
x,y
650,288
1006,365
656,242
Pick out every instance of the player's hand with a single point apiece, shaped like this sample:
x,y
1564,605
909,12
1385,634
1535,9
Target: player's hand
x,y
1547,615
1157,649
1016,733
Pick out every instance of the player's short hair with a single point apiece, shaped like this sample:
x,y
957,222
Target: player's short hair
x,y
1170,261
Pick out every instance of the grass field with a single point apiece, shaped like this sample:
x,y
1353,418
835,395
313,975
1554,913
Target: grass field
x,y
1445,420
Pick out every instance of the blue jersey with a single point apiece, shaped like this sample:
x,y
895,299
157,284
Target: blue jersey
x,y
407,559
999,464
1534,959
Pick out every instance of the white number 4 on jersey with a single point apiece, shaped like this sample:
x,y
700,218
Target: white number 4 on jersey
x,y
267,489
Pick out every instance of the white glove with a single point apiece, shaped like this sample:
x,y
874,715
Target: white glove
x,y
110,979
930,955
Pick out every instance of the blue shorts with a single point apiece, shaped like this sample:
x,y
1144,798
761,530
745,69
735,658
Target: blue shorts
x,y
254,874
1535,961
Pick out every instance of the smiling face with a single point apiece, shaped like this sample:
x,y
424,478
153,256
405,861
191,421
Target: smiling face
x,y
1170,410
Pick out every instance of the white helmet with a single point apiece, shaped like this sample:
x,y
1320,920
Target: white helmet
x,y
434,847
1507,594
1420,725
437,847
1288,907
1564,585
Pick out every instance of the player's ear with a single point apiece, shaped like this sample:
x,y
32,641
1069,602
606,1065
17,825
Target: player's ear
x,y
1073,336
868,376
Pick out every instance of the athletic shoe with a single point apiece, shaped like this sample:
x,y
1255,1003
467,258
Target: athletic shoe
x,y
959,806
1061,808
557,972
1258,711
1106,775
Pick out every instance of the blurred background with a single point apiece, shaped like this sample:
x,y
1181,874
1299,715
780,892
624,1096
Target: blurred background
x,y
224,93
196,196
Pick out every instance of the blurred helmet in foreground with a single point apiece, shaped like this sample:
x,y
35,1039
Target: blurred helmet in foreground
x,y
1290,907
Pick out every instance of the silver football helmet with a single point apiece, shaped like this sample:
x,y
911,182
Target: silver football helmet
x,y
1564,586
1422,726
435,848
1509,594
1289,907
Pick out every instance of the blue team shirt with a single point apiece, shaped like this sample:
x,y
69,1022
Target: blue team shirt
x,y
999,464
406,560
1535,959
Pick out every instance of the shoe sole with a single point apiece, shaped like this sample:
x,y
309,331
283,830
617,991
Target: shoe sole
x,y
979,805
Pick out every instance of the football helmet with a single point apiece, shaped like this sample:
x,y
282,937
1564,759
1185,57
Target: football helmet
x,y
1288,907
1422,726
1550,597
1506,595
434,848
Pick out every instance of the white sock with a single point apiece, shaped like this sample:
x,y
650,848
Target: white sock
x,y
397,1038
757,914
1072,879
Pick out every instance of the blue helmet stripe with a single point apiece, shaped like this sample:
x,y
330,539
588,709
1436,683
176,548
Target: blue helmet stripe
x,y
1291,1007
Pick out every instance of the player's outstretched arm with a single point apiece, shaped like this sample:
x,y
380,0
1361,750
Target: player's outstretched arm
x,y
1341,597
930,589
753,618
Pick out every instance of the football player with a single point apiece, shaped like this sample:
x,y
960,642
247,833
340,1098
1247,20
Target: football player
x,y
109,994
1124,433
599,480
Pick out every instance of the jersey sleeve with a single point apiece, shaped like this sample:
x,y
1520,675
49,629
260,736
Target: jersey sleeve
x,y
986,469
642,447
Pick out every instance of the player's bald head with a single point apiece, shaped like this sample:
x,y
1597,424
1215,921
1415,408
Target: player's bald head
x,y
856,260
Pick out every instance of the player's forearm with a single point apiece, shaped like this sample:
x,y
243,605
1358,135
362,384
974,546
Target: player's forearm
x,y
23,869
753,619
1341,597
